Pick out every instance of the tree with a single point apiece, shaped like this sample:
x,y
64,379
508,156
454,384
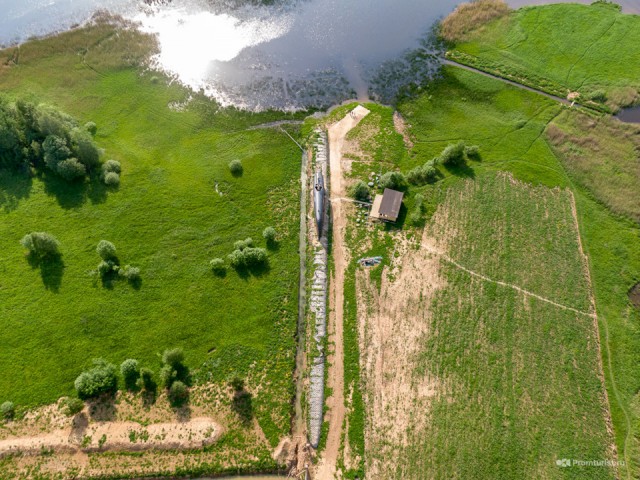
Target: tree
x,y
393,180
71,169
146,381
130,371
453,154
55,150
269,234
106,250
99,380
235,167
8,410
359,191
237,259
173,367
178,394
71,406
41,244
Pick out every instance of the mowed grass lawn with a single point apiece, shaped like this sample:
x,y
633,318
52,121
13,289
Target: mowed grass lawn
x,y
509,126
166,218
517,377
573,47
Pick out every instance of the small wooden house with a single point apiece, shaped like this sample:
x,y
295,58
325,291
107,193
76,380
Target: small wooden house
x,y
386,207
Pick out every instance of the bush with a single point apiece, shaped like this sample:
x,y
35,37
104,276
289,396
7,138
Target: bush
x,y
107,267
235,167
91,127
359,191
42,244
392,180
130,372
106,250
418,208
217,265
236,259
111,166
8,410
101,379
178,394
242,244
146,381
472,151
71,406
111,179
453,154
132,274
254,257
598,96
269,234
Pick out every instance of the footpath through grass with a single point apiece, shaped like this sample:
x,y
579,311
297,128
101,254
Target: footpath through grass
x,y
177,207
591,49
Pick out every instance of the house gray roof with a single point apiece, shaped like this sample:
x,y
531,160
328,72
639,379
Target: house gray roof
x,y
391,202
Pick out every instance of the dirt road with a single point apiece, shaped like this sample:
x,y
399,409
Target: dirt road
x,y
336,413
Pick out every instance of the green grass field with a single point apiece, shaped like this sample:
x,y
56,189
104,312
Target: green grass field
x,y
561,48
166,218
518,382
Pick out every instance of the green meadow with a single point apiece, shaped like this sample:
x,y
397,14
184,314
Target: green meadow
x,y
176,208
591,49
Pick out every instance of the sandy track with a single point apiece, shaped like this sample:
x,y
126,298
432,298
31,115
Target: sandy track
x,y
336,414
81,436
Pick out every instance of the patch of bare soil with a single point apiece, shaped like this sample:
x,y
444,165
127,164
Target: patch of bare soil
x,y
163,438
634,295
392,323
403,129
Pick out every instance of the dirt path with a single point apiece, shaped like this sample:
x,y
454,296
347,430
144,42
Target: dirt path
x,y
336,414
511,82
118,436
450,260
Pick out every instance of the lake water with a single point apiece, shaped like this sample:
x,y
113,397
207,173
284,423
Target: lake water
x,y
631,114
305,53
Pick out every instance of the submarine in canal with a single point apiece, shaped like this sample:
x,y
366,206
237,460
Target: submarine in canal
x,y
319,194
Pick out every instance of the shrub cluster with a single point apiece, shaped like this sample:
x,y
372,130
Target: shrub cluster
x,y
453,154
217,266
110,265
175,376
427,173
41,244
111,173
245,255
359,191
39,135
269,234
99,380
393,180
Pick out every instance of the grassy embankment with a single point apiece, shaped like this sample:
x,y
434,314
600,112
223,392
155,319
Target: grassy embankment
x,y
590,49
167,217
510,126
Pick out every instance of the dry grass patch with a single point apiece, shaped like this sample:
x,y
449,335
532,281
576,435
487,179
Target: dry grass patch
x,y
603,155
469,16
